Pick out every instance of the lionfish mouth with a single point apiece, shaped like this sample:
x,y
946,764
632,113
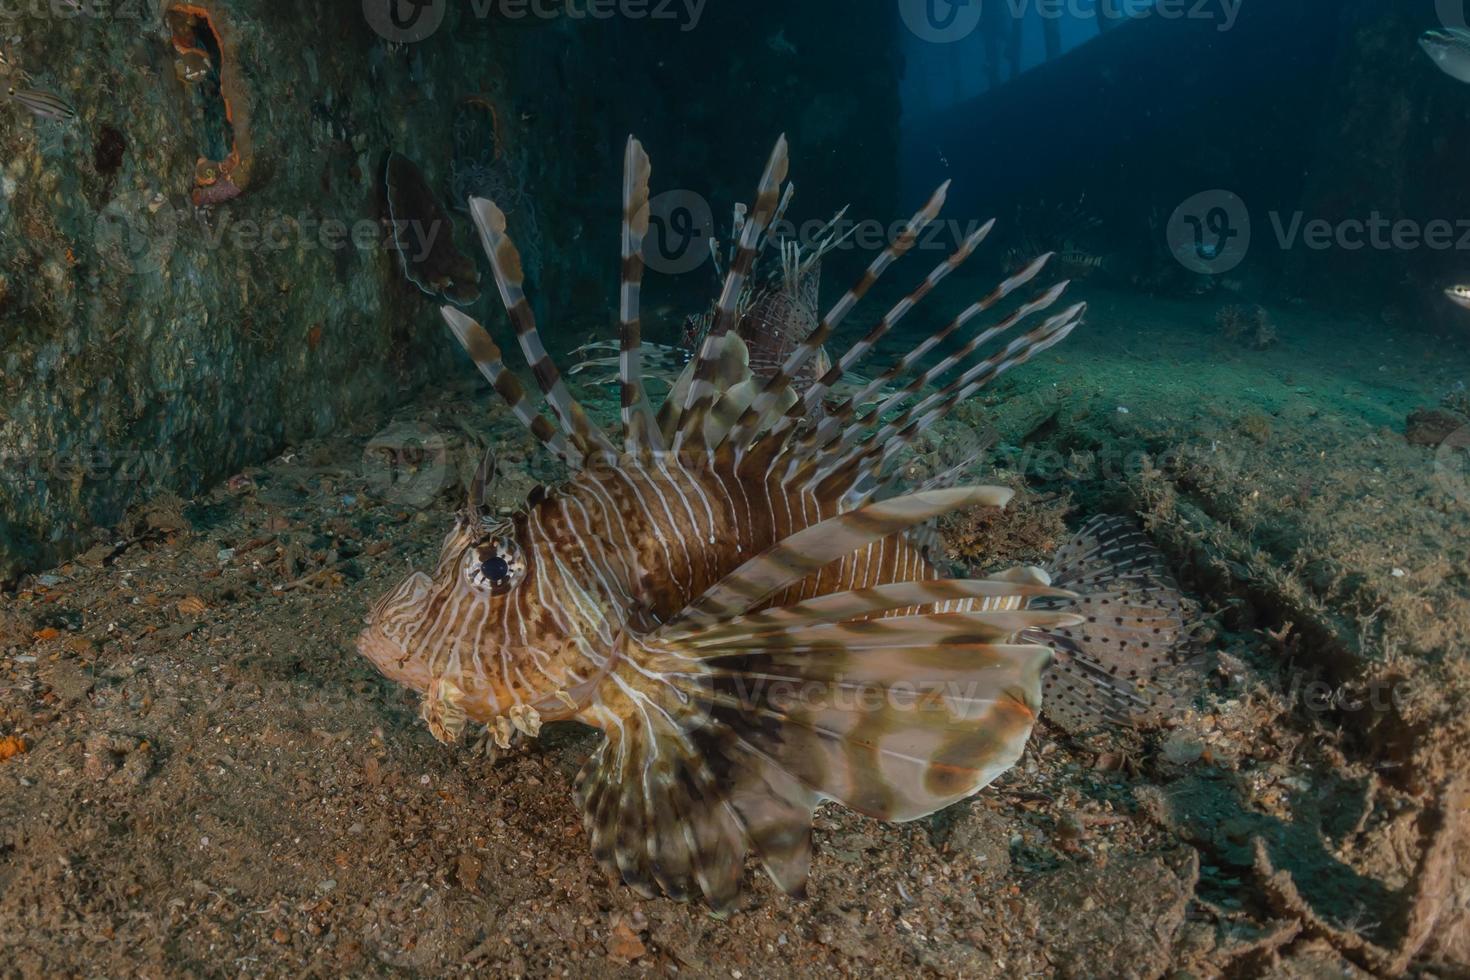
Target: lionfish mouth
x,y
393,660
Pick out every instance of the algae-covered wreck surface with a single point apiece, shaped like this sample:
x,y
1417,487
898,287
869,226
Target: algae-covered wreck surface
x,y
232,420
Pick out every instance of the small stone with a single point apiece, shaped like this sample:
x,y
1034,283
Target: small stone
x,y
624,944
468,869
1432,426
1183,748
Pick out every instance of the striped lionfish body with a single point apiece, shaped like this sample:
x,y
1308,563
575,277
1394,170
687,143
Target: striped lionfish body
x,y
726,588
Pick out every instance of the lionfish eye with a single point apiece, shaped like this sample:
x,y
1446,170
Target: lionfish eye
x,y
495,565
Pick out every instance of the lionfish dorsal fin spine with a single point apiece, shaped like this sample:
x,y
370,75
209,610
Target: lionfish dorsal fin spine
x,y
702,393
487,357
640,432
821,437
817,443
869,455
505,260
843,414
786,195
813,397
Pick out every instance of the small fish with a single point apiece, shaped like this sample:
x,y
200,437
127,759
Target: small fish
x,y
43,105
780,45
778,305
1450,50
9,69
1459,295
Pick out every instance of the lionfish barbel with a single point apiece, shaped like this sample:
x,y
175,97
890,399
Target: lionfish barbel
x,y
727,588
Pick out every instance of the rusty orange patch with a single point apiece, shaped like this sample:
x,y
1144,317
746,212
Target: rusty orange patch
x,y
11,746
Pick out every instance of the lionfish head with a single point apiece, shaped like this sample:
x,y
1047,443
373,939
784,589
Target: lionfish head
x,y
416,630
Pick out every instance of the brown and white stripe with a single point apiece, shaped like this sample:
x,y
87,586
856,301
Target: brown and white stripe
x,y
669,596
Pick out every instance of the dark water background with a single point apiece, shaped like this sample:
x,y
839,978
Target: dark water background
x,y
1303,111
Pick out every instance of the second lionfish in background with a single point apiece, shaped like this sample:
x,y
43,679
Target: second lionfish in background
x,y
777,309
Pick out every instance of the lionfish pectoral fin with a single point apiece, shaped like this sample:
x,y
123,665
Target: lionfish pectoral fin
x,y
673,803
741,721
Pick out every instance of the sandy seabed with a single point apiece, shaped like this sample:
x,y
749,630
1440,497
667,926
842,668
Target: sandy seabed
x,y
198,774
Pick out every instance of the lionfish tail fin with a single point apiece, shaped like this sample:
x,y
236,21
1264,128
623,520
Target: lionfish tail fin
x,y
894,700
1121,665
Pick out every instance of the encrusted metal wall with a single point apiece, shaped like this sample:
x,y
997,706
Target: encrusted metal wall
x,y
193,270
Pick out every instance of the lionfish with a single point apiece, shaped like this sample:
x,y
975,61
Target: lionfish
x,y
778,306
725,588
776,310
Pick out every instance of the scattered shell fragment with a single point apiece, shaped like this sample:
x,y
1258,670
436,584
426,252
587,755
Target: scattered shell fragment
x,y
192,606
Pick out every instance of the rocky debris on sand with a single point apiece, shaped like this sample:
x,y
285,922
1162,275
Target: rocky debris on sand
x,y
118,758
1249,326
1432,426
1093,929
